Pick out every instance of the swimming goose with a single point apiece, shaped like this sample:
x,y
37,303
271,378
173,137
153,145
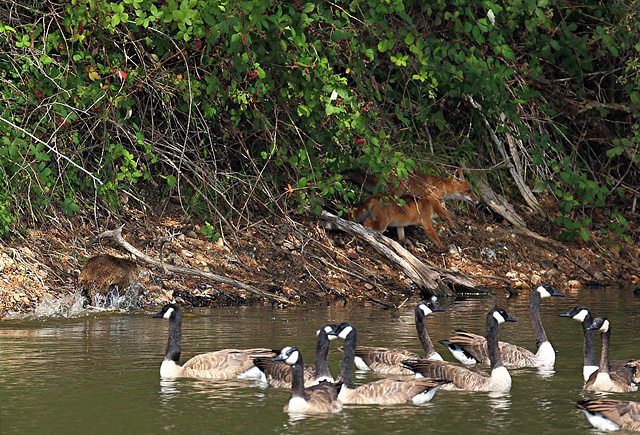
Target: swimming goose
x,y
464,377
278,375
321,398
610,415
472,348
604,379
223,364
388,391
583,315
388,361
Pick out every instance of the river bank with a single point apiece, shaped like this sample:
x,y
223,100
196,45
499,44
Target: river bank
x,y
297,258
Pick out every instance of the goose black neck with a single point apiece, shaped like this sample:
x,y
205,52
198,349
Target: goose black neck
x,y
492,342
604,356
423,335
538,330
348,358
175,337
322,356
589,351
297,378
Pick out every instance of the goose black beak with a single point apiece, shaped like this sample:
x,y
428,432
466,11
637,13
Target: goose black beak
x,y
437,308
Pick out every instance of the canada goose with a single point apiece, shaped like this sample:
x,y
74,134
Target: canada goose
x,y
321,398
604,379
610,415
472,348
388,391
278,375
223,364
583,315
388,361
470,378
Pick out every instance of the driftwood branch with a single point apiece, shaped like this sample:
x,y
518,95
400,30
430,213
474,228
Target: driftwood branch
x,y
427,278
500,205
515,165
116,236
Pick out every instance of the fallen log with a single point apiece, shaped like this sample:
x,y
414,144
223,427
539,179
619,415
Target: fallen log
x,y
500,205
435,282
116,236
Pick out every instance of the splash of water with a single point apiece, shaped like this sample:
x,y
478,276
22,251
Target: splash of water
x,y
75,304
126,300
67,306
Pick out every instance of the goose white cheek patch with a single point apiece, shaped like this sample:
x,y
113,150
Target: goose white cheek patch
x,y
498,317
425,310
168,313
293,358
544,293
345,332
581,316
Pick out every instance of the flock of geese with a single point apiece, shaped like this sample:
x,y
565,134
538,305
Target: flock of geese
x,y
314,390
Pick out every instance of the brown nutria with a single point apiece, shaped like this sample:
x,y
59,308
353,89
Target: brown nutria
x,y
104,272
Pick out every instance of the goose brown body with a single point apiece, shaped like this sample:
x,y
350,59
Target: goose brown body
x,y
318,399
221,364
388,391
464,377
278,374
471,348
625,368
604,379
388,361
608,414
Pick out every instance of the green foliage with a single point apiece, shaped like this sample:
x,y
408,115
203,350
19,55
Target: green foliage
x,y
208,230
296,92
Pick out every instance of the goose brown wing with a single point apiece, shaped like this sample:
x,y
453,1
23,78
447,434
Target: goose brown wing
x,y
461,376
622,380
624,413
278,374
323,397
476,346
384,360
392,391
630,367
223,364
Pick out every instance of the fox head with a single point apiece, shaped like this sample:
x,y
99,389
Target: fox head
x,y
457,187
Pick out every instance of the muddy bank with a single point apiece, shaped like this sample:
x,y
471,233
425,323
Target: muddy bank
x,y
298,259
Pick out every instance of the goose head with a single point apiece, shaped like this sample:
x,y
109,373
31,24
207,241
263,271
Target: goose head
x,y
500,316
290,355
578,313
345,330
599,324
547,290
428,307
329,330
167,312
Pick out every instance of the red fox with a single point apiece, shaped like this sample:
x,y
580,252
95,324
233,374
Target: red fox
x,y
376,213
422,194
420,184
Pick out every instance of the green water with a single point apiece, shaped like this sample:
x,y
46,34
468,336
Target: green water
x,y
99,373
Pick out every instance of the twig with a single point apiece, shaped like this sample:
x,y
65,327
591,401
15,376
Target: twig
x,y
116,236
59,154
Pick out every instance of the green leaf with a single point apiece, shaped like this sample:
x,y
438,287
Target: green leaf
x,y
507,52
614,152
584,234
540,186
409,39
